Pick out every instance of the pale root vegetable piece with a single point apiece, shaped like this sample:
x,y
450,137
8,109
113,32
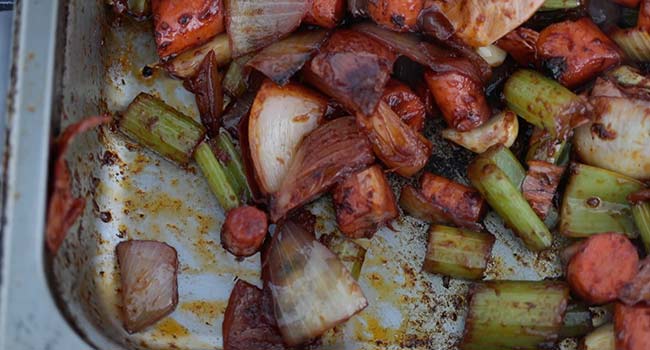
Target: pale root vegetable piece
x,y
279,120
500,129
601,267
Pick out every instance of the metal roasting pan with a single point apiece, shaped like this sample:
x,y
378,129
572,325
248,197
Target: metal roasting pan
x,y
71,60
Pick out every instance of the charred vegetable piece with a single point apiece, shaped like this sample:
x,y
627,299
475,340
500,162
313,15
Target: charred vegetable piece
x,y
576,51
405,103
638,289
500,129
221,183
413,203
325,13
231,159
595,202
161,128
181,25
235,81
504,197
248,322
206,86
399,147
400,16
186,64
631,324
480,22
578,321
244,231
282,59
254,24
312,290
521,44
364,202
514,315
544,148
351,254
544,103
457,253
460,98
602,338
149,287
601,267
353,68
280,118
327,155
461,202
540,184
640,202
554,5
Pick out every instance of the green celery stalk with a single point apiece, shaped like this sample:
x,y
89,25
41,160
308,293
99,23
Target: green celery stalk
x,y
232,162
457,253
509,203
543,102
554,5
547,149
350,253
161,128
635,42
595,202
235,81
578,321
506,162
220,182
641,215
603,338
514,315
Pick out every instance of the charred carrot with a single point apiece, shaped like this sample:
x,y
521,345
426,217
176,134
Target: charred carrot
x,y
325,13
631,325
459,201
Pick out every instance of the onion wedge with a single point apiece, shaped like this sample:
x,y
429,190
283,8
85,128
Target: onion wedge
x,y
279,119
312,290
503,129
148,272
254,24
327,155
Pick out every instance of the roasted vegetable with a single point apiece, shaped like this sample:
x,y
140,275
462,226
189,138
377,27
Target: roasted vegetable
x,y
500,129
540,184
415,204
221,183
544,148
325,13
521,44
631,324
282,59
501,190
349,253
400,16
492,54
635,42
461,202
578,321
180,25
186,64
327,155
554,5
254,24
514,315
601,267
231,159
279,120
601,339
457,253
312,291
637,290
154,124
595,202
460,98
244,230
640,202
206,86
148,277
405,103
352,68
545,103
236,78
399,147
364,202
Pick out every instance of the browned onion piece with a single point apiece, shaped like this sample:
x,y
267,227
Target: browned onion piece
x,y
206,87
280,118
254,24
63,208
330,153
353,68
402,149
312,290
284,58
402,43
638,290
148,273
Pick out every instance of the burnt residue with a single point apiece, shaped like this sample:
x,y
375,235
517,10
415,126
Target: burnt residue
x,y
554,67
601,131
106,216
110,158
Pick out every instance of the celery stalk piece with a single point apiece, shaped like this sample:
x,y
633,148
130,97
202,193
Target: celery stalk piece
x,y
635,42
628,76
554,5
641,215
230,158
507,162
578,321
595,202
547,149
603,338
186,64
218,178
140,8
161,128
509,203
514,315
457,253
544,103
235,81
350,253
